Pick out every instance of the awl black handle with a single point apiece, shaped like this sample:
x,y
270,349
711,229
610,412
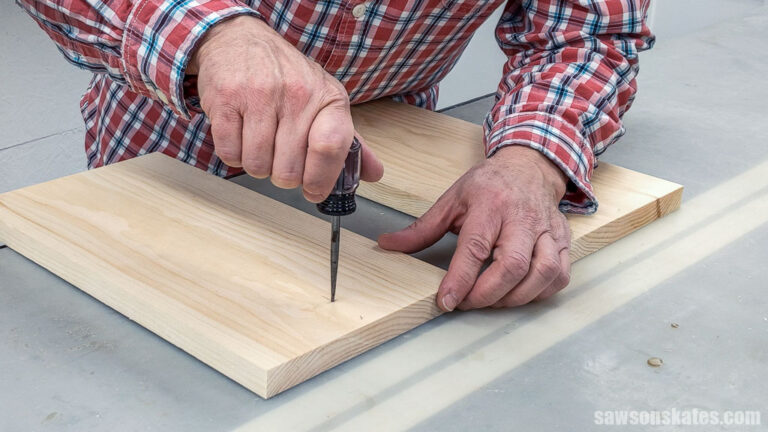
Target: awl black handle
x,y
341,201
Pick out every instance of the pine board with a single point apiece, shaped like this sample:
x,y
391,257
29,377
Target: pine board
x,y
236,279
425,152
240,281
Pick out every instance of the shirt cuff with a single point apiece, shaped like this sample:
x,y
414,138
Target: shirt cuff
x,y
160,35
557,140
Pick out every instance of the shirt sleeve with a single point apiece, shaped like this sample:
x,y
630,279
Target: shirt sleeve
x,y
144,44
569,79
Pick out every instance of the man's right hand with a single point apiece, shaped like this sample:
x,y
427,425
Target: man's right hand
x,y
273,111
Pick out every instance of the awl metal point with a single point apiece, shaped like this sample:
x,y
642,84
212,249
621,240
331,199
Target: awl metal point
x,y
341,202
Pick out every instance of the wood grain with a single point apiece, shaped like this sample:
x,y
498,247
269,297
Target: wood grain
x,y
424,153
236,279
240,281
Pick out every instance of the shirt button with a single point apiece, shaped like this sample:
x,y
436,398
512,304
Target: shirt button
x,y
359,10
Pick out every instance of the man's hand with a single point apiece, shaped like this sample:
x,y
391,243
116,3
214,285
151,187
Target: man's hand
x,y
273,111
505,207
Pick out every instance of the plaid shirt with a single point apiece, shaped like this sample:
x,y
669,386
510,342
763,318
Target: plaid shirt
x,y
569,78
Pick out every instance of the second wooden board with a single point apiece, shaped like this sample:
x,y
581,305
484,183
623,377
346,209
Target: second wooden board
x,y
424,153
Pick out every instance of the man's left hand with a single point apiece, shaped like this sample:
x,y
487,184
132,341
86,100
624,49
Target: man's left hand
x,y
505,208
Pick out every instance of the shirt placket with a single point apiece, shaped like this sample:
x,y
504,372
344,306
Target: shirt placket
x,y
353,13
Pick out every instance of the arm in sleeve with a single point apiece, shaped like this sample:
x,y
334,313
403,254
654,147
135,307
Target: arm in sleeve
x,y
569,79
144,44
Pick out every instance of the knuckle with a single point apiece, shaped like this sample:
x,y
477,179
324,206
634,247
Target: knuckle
x,y
254,93
548,268
225,113
478,248
259,96
228,92
331,144
532,221
561,231
515,264
297,91
562,280
336,91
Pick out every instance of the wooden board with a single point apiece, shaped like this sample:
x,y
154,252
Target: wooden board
x,y
236,279
241,281
425,152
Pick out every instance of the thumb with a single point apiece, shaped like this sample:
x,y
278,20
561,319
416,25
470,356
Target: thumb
x,y
372,170
423,232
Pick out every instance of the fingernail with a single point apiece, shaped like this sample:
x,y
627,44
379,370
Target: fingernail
x,y
313,197
449,302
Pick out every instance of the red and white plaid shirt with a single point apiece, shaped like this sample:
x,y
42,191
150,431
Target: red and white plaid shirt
x,y
569,78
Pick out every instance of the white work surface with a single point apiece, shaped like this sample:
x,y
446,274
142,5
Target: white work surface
x,y
67,362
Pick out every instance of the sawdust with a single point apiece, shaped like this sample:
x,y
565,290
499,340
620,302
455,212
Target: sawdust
x,y
655,362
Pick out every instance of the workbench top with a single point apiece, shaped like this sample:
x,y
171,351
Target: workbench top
x,y
68,362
